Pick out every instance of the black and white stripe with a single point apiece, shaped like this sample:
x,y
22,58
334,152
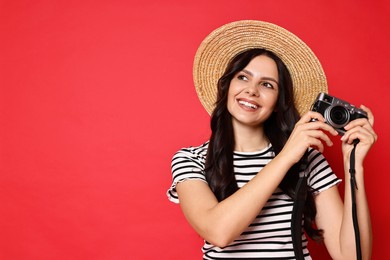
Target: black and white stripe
x,y
269,236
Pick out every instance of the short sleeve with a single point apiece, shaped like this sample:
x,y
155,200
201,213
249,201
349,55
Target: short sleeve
x,y
187,164
321,176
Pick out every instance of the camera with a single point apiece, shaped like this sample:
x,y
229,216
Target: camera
x,y
337,113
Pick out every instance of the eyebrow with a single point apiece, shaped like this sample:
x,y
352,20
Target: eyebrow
x,y
263,78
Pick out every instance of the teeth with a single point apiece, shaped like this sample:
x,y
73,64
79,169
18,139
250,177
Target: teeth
x,y
247,104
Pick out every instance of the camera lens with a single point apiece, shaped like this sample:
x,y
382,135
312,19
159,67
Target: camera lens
x,y
337,116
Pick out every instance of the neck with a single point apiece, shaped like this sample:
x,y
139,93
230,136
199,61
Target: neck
x,y
249,139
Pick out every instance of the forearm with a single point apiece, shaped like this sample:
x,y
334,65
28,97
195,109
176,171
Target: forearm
x,y
225,221
347,233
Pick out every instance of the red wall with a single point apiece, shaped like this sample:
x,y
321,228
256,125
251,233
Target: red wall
x,y
96,96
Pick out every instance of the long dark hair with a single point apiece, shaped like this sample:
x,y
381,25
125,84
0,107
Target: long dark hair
x,y
278,127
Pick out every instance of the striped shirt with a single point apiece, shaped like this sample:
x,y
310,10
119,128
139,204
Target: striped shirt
x,y
269,236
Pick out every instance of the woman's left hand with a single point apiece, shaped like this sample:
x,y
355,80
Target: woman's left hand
x,y
361,129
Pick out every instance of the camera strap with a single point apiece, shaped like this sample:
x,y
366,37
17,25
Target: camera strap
x,y
299,203
353,196
296,218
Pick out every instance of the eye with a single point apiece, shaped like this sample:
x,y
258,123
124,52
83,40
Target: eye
x,y
267,85
242,77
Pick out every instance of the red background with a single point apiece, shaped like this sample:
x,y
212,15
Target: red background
x,y
96,96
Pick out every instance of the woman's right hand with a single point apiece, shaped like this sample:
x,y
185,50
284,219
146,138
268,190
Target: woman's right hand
x,y
309,131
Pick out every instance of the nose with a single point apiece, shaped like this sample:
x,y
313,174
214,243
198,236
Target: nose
x,y
252,90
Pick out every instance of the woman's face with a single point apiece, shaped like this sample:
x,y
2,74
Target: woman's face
x,y
253,92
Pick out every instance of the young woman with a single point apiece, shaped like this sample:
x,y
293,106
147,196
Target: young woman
x,y
237,189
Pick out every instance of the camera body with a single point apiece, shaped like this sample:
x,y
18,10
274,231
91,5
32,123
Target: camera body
x,y
337,113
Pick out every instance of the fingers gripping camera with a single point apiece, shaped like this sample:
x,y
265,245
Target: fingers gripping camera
x,y
337,113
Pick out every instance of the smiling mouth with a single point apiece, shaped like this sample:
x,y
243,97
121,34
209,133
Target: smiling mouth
x,y
247,104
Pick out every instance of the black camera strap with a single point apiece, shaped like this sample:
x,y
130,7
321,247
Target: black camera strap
x,y
296,218
299,203
353,196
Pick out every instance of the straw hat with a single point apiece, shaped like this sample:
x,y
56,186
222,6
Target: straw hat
x,y
224,43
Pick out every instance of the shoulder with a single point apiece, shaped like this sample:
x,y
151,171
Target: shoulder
x,y
197,153
187,164
316,159
321,176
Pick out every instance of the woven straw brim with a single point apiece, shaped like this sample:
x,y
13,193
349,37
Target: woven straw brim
x,y
224,43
